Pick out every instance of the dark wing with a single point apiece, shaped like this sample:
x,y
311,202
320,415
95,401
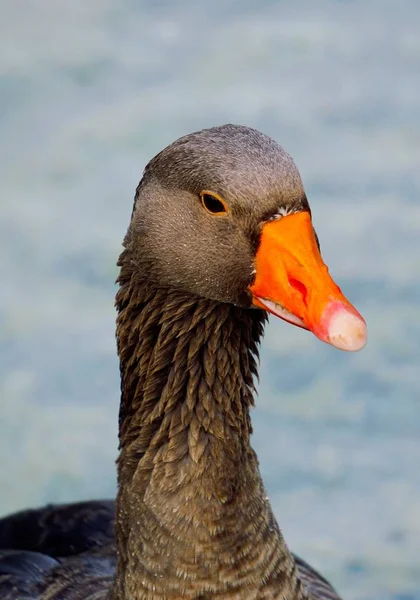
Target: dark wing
x,y
317,586
34,576
60,550
60,530
21,573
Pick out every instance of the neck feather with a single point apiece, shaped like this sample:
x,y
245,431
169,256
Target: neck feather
x,y
193,520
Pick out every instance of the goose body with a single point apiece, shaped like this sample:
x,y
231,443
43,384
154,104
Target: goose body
x,y
220,234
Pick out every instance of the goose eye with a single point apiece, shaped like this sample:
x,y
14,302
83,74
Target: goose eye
x,y
214,204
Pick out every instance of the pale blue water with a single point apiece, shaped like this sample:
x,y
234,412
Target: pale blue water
x,y
89,91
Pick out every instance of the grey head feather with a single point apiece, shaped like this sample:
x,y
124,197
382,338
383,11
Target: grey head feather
x,y
174,243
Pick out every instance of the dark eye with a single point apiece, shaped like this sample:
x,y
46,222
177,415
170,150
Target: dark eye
x,y
214,204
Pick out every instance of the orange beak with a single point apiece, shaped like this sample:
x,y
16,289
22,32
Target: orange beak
x,y
292,282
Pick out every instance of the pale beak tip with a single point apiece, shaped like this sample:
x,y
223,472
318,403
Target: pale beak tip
x,y
345,328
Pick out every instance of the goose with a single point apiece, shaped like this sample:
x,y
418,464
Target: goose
x,y
220,236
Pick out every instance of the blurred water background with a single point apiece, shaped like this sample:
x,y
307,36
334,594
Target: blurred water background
x,y
89,91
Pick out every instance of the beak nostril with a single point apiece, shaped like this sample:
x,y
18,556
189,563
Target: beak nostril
x,y
299,287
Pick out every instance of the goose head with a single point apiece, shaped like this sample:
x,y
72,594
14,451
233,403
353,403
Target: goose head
x,y
222,214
